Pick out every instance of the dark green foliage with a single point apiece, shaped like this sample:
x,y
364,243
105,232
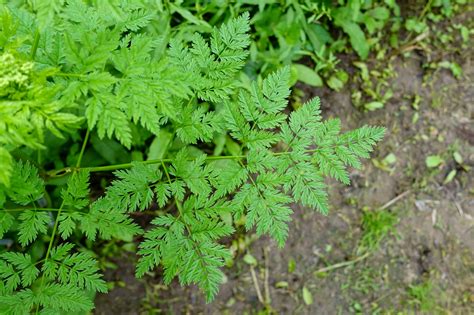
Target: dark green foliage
x,y
288,31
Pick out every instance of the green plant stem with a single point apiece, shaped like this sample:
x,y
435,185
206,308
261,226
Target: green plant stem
x,y
55,228
50,246
56,222
66,170
83,148
180,211
165,169
25,209
253,182
34,48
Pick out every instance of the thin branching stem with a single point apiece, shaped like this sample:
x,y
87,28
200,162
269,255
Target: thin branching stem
x,y
34,47
83,148
56,222
35,208
106,168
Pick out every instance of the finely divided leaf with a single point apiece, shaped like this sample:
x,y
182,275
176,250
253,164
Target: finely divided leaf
x,y
25,184
32,223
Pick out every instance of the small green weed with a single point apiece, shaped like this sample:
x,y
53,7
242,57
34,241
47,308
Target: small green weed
x,y
376,226
363,288
374,86
363,280
422,297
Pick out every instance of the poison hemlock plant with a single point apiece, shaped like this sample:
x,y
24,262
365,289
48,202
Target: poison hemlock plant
x,y
117,77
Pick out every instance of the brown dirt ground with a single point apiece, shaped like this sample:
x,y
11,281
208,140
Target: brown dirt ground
x,y
433,242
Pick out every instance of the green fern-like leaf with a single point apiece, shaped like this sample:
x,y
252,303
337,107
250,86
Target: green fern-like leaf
x,y
6,222
25,184
22,263
76,195
105,221
32,223
134,188
78,269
